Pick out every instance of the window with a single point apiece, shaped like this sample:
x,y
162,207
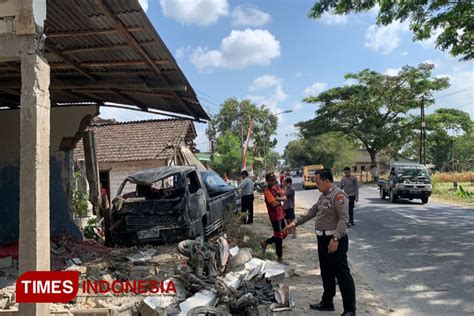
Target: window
x,y
354,168
362,168
193,182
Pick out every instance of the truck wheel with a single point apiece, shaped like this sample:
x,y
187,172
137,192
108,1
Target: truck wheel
x,y
393,197
382,193
424,200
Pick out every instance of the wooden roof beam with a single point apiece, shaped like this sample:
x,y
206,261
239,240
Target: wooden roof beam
x,y
89,32
109,63
71,63
130,99
117,24
103,47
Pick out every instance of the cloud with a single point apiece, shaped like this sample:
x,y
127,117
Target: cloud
x,y
333,19
297,106
315,89
238,50
200,12
182,51
392,71
248,16
144,4
384,39
270,90
404,53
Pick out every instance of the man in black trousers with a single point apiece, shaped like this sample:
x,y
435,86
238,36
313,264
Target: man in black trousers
x,y
331,212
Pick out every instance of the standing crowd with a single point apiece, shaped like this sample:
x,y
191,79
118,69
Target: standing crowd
x,y
333,214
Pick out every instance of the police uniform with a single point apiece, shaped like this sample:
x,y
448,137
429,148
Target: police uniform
x,y
350,185
331,212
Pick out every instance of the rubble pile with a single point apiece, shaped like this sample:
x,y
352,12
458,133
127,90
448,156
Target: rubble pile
x,y
208,277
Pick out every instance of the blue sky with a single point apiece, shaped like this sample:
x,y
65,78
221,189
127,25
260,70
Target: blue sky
x,y
270,52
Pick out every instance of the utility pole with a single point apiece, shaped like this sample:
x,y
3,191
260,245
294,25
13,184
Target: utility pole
x,y
422,133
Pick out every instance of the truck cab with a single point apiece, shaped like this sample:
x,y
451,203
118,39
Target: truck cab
x,y
406,180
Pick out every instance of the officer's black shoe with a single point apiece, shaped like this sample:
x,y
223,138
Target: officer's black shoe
x,y
349,314
322,306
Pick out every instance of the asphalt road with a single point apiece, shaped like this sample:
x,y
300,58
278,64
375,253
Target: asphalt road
x,y
418,258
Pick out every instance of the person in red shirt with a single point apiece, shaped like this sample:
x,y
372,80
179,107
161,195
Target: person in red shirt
x,y
282,179
274,196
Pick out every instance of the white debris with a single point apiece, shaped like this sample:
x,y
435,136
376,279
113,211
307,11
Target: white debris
x,y
253,268
234,251
142,256
202,298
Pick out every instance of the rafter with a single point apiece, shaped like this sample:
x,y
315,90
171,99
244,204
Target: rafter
x,y
90,32
71,63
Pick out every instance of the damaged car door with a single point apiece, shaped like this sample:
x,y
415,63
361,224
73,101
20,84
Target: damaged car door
x,y
196,204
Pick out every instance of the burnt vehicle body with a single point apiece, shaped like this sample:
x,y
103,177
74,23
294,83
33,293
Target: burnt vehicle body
x,y
170,203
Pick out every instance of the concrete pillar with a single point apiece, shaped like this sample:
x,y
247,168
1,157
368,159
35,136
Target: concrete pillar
x,y
34,172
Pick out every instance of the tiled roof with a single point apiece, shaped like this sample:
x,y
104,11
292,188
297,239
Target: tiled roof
x,y
139,140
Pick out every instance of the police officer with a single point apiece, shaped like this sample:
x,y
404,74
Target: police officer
x,y
331,212
350,185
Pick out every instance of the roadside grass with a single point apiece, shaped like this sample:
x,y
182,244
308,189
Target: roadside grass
x,y
445,191
247,236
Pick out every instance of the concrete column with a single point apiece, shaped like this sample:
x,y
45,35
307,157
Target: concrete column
x,y
34,172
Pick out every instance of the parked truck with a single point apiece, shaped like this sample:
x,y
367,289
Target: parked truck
x,y
406,180
170,203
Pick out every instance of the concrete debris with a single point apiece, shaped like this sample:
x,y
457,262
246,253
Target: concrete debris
x,y
4,302
234,251
202,298
5,262
142,256
245,239
242,257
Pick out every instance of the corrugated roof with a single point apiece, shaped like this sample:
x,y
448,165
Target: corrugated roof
x,y
107,51
139,140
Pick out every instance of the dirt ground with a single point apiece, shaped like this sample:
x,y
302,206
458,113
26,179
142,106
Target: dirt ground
x,y
306,286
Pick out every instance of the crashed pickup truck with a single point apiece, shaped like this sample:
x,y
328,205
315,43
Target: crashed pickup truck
x,y
171,203
406,180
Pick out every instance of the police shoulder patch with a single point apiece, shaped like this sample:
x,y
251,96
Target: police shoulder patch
x,y
340,199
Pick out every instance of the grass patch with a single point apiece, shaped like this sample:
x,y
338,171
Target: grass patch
x,y
246,236
445,191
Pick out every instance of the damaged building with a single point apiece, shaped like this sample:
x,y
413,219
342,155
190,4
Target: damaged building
x,y
128,147
60,63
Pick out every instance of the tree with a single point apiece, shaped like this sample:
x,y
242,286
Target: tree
x,y
226,158
447,128
376,110
230,118
452,18
332,150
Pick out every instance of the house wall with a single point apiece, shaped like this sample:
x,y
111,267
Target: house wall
x,y
65,124
118,171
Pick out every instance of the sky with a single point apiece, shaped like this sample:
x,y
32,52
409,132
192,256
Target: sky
x,y
270,52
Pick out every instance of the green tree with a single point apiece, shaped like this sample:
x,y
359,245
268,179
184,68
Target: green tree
x,y
230,118
333,150
447,128
226,158
375,110
452,18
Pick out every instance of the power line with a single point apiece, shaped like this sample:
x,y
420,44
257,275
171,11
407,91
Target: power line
x,y
463,105
455,92
210,96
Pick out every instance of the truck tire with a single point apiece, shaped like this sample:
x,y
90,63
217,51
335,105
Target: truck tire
x,y
424,200
393,197
383,194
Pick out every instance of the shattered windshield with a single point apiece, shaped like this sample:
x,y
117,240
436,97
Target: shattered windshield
x,y
413,172
213,180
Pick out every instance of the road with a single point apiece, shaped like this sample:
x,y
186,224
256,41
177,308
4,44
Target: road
x,y
418,258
